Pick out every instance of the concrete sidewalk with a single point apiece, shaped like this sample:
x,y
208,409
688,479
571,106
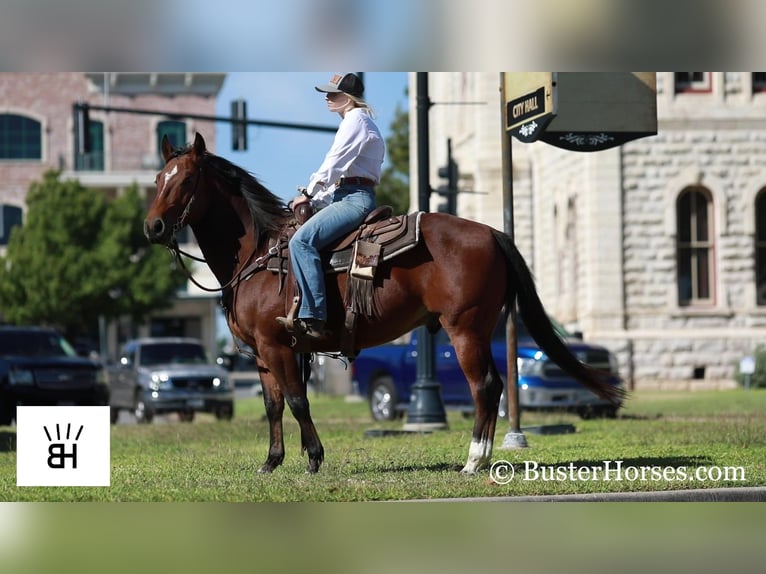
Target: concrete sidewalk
x,y
744,494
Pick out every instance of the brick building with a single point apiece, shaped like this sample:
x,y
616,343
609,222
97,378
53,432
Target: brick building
x,y
657,248
37,134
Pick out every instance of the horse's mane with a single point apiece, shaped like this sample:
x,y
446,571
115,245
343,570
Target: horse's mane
x,y
268,211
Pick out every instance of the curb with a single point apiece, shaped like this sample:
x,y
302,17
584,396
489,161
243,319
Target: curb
x,y
743,494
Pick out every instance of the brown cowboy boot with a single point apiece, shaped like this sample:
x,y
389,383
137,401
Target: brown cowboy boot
x,y
312,329
309,328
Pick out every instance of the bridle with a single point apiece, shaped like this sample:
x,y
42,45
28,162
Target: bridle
x,y
244,270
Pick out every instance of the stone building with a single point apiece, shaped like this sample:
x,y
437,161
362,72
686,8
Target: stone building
x,y
37,134
656,248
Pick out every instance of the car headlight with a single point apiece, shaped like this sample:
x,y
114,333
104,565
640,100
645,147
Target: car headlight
x,y
160,382
221,383
21,377
528,366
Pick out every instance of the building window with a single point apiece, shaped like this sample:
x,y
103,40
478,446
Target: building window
x,y
176,132
759,82
20,137
94,159
10,217
693,82
760,247
695,247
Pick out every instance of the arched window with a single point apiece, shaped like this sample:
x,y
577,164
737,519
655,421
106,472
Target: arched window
x,y
20,137
760,247
695,247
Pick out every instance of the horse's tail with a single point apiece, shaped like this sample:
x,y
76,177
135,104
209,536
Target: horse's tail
x,y
541,328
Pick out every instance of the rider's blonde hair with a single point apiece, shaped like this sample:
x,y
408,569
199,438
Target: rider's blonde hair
x,y
361,103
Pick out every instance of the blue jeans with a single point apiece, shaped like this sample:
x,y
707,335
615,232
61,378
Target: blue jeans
x,y
350,206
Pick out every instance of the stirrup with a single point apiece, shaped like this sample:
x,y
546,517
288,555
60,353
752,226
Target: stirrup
x,y
312,329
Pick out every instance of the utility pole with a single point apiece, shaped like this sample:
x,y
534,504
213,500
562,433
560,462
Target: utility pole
x,y
514,438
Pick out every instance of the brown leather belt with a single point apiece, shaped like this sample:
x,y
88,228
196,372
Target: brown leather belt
x,y
356,181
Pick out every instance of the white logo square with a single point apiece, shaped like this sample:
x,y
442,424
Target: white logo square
x,y
62,446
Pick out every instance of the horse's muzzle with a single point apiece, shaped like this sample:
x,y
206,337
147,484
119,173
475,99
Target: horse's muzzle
x,y
155,230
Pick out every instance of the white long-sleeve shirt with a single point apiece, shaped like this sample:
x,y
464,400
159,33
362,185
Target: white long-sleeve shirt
x,y
357,151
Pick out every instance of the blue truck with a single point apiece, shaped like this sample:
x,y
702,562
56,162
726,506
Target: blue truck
x,y
384,375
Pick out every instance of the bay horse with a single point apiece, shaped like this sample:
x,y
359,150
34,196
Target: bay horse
x,y
460,276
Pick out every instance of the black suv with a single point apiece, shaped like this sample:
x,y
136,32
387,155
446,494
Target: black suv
x,y
39,367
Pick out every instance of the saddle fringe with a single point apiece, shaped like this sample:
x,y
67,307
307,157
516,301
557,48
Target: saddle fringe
x,y
361,296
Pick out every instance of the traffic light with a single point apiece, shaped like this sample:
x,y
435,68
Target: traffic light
x,y
239,125
449,189
81,117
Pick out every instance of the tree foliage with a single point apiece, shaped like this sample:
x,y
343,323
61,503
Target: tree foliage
x,y
79,256
394,188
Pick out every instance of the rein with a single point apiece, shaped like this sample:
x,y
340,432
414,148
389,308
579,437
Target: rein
x,y
177,252
242,273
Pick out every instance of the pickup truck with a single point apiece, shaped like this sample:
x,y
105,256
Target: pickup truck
x,y
384,375
169,374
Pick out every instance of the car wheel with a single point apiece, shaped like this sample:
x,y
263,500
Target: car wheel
x,y
6,415
608,412
114,414
225,413
383,399
186,416
143,413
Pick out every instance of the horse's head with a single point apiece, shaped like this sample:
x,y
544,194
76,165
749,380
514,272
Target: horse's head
x,y
179,198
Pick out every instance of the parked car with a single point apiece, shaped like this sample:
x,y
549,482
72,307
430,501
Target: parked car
x,y
39,367
169,374
384,375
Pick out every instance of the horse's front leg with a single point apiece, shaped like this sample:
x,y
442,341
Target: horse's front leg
x,y
274,402
298,402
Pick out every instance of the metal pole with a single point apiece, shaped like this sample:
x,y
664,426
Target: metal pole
x,y
426,410
203,117
514,438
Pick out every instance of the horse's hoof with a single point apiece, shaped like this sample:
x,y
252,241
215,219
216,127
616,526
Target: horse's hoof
x,y
266,469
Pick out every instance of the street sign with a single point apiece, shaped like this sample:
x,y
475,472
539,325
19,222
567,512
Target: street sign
x,y
530,103
747,365
602,110
580,111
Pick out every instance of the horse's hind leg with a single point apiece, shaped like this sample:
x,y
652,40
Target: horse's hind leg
x,y
486,387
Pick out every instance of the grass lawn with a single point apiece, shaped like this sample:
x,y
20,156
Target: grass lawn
x,y
664,441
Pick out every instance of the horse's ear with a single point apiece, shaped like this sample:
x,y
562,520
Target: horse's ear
x,y
199,144
167,148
